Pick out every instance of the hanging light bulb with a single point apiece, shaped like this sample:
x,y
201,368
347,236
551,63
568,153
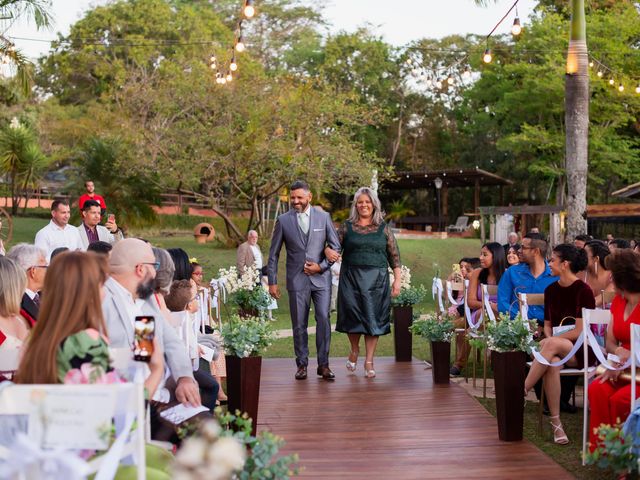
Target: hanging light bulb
x,y
467,73
438,84
591,64
638,89
516,29
621,88
223,80
600,73
487,57
229,77
233,66
248,10
612,81
240,47
450,80
213,66
213,59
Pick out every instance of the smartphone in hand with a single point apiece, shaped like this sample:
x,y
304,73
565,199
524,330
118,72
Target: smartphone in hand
x,y
111,218
144,333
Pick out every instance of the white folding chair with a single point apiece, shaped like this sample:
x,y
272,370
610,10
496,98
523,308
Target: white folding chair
x,y
64,417
635,351
437,294
589,317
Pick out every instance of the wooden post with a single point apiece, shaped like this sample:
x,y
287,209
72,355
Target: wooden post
x,y
476,196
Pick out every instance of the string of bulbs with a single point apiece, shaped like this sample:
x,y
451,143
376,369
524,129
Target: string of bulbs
x,y
603,69
226,76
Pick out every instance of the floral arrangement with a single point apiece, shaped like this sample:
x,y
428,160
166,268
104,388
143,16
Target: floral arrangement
x,y
245,290
89,373
246,337
433,329
409,295
506,335
614,451
226,449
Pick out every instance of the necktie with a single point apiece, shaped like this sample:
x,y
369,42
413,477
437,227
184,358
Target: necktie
x,y
303,222
36,299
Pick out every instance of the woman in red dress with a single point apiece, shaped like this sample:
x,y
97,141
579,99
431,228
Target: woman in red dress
x,y
610,398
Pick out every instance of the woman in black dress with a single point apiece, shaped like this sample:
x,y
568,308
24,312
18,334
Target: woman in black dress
x,y
364,291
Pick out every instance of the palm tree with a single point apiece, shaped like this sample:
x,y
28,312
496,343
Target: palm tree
x,y
576,120
11,10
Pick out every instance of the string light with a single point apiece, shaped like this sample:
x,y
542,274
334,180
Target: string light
x,y
621,88
612,81
591,64
487,57
600,73
240,47
450,80
229,77
638,89
516,29
248,9
233,66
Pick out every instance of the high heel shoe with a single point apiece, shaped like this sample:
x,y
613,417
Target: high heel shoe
x,y
559,437
369,372
351,366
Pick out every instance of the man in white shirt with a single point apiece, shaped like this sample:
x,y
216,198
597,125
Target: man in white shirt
x,y
249,253
58,233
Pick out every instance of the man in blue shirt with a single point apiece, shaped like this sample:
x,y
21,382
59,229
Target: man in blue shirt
x,y
532,275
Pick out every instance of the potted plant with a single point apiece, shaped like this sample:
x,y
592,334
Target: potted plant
x,y
245,291
403,314
223,449
509,342
438,333
245,339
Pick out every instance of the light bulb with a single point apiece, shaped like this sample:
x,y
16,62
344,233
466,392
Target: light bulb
x,y
611,81
599,74
591,64
213,66
638,89
249,11
233,66
466,73
517,28
229,77
450,80
223,80
487,57
621,88
213,59
439,84
240,47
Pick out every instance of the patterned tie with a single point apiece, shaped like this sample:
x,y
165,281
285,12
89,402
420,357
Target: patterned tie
x,y
303,223
36,299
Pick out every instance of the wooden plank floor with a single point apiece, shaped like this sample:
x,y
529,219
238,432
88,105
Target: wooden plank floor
x,y
397,426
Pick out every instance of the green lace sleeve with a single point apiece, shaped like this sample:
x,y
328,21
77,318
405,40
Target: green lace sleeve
x,y
81,348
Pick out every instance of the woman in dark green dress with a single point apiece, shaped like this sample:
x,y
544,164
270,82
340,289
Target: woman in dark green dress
x,y
364,291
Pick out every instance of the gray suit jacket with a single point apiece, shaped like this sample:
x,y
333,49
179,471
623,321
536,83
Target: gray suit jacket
x,y
301,248
244,257
103,235
120,330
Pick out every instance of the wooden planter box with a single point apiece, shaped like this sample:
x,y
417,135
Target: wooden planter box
x,y
509,375
402,339
243,386
440,355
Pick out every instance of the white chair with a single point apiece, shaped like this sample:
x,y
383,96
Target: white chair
x,y
462,223
589,317
635,351
65,417
437,294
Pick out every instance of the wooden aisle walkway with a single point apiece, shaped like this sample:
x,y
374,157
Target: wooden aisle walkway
x,y
397,426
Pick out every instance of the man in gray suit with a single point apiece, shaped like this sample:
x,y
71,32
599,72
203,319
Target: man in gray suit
x,y
128,294
305,231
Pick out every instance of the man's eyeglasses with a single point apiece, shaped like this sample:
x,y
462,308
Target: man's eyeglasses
x,y
39,266
156,265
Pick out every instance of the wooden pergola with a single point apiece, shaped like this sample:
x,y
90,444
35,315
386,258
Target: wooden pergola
x,y
451,178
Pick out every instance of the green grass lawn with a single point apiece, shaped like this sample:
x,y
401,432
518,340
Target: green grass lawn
x,y
423,257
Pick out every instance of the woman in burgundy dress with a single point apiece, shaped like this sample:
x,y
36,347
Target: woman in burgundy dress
x,y
563,300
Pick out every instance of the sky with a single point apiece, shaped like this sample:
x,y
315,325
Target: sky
x,y
398,21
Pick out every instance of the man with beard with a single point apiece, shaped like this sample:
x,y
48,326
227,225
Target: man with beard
x,y
127,295
305,231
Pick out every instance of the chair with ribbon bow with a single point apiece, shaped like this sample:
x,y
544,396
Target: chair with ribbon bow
x,y
56,421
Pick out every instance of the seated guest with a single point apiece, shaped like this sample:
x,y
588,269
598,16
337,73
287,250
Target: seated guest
x,y
596,274
458,275
182,297
183,269
618,243
493,265
531,276
197,274
513,255
512,239
58,233
90,231
132,266
34,262
563,300
13,328
100,247
581,240
58,251
609,396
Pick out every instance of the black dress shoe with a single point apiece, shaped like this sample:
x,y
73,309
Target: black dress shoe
x,y
301,374
326,373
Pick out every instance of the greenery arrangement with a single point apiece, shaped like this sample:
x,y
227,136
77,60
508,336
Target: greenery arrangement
x,y
433,329
225,449
409,295
246,337
245,291
614,452
506,335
